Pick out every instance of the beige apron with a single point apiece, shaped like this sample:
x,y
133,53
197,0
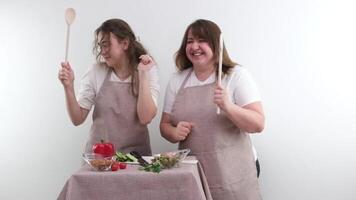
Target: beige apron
x,y
115,119
224,152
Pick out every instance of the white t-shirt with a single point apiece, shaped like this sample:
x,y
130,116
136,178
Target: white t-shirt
x,y
239,83
93,79
241,86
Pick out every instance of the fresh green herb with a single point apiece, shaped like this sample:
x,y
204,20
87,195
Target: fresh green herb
x,y
161,162
153,167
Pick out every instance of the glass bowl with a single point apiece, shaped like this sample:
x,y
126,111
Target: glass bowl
x,y
98,162
171,159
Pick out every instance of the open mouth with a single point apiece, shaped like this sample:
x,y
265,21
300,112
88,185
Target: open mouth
x,y
197,53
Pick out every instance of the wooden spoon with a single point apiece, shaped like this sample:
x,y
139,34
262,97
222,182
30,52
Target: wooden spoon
x,y
69,17
221,48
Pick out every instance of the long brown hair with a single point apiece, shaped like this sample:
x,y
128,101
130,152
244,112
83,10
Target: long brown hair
x,y
210,32
122,31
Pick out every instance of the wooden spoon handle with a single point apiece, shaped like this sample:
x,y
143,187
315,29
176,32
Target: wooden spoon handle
x,y
67,44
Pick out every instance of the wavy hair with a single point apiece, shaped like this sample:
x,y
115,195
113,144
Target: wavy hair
x,y
122,31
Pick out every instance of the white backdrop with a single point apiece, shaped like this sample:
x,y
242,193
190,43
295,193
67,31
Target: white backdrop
x,y
301,54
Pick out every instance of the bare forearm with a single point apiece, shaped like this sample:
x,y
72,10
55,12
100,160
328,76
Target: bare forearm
x,y
172,133
167,131
246,119
75,112
146,108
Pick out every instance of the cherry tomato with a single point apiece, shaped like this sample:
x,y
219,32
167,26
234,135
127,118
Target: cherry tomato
x,y
115,166
122,165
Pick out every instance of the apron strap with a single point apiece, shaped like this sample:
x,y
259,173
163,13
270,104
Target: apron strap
x,y
108,75
185,80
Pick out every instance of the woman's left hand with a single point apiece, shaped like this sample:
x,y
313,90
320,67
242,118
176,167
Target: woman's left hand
x,y
146,63
221,97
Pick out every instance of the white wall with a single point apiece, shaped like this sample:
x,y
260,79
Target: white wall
x,y
301,54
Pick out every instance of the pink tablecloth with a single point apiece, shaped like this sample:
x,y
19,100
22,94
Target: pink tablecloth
x,y
185,182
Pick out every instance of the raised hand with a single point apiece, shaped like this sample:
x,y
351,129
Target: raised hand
x,y
66,75
146,63
221,97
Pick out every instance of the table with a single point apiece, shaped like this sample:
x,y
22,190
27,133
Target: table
x,y
186,182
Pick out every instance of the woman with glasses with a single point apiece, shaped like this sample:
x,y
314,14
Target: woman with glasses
x,y
122,87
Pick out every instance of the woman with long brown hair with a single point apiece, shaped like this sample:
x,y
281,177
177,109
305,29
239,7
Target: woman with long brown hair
x,y
122,86
220,142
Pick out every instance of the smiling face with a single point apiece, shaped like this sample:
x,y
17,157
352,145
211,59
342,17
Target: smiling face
x,y
200,48
112,50
198,51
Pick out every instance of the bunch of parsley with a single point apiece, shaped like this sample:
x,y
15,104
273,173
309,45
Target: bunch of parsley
x,y
155,167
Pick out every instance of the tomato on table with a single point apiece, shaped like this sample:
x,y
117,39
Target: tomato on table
x,y
115,166
122,165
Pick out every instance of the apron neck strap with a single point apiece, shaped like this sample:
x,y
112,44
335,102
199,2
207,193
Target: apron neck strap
x,y
186,79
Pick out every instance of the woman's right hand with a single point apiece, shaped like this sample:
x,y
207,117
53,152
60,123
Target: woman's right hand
x,y
146,63
66,75
182,130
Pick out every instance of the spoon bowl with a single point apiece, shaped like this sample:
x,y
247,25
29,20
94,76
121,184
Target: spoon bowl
x,y
70,15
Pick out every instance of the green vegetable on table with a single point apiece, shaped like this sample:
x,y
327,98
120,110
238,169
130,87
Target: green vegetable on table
x,y
124,157
167,161
161,162
153,167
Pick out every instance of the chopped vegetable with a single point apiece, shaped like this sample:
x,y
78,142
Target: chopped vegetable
x,y
164,161
167,161
124,157
153,167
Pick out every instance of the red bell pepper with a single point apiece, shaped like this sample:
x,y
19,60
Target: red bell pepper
x,y
106,149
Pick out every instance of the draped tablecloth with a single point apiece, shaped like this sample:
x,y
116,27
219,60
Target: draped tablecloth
x,y
186,182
